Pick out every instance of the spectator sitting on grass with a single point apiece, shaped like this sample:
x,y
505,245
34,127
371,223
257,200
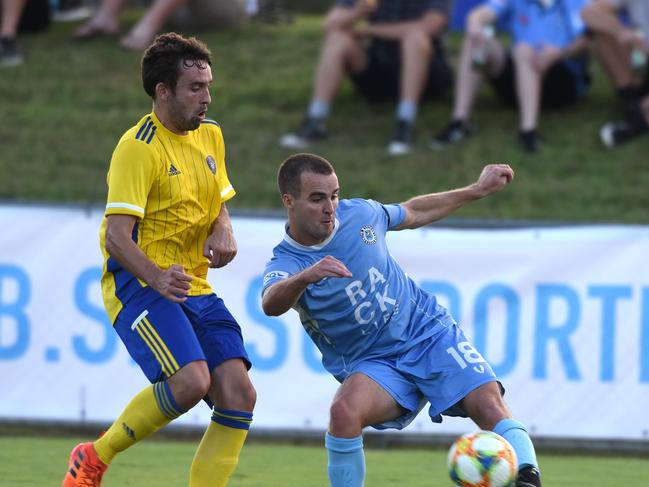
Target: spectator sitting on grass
x,y
397,54
546,67
178,14
615,42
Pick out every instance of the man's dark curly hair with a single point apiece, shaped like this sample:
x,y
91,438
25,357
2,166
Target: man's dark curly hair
x,y
164,58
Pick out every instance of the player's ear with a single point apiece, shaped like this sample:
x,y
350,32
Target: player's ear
x,y
162,91
287,199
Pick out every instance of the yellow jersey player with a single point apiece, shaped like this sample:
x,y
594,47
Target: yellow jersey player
x,y
165,224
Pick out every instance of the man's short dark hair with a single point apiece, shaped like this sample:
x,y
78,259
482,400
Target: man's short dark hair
x,y
164,58
289,173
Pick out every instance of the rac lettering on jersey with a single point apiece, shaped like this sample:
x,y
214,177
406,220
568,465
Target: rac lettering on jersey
x,y
362,299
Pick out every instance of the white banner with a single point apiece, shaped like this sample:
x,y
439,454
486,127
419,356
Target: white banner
x,y
561,313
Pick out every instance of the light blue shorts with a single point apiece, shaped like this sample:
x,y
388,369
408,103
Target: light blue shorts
x,y
441,370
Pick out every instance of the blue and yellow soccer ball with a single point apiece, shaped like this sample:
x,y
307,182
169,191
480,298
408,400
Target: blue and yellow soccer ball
x,y
482,459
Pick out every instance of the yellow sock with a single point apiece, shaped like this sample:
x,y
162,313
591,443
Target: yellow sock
x,y
218,453
151,409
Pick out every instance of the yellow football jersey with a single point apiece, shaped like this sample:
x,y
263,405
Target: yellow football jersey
x,y
174,185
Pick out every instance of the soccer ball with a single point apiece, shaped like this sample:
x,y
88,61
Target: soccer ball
x,y
482,459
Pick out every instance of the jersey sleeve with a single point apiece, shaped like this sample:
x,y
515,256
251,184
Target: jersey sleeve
x,y
225,187
130,177
394,214
278,268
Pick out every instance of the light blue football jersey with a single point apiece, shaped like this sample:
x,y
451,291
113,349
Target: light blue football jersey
x,y
379,311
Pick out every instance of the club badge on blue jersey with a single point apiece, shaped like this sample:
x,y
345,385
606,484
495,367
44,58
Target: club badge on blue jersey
x,y
211,163
368,234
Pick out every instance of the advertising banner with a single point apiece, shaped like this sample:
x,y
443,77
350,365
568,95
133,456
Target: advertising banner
x,y
561,313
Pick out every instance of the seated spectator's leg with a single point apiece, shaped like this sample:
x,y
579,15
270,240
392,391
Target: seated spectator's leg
x,y
528,87
416,52
143,33
105,22
11,12
467,82
340,53
616,62
528,91
10,54
635,123
469,76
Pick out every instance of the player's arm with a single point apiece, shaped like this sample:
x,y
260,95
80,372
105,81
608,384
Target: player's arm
x,y
278,298
220,247
425,209
172,283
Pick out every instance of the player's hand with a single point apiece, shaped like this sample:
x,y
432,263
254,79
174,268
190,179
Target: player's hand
x,y
173,283
493,178
326,267
220,247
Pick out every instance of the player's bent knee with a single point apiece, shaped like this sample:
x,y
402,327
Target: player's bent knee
x,y
190,384
342,415
248,397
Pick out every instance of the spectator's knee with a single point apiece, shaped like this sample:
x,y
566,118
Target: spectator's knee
x,y
523,53
419,40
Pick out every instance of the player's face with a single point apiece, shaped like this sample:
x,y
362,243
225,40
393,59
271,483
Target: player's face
x,y
188,105
312,215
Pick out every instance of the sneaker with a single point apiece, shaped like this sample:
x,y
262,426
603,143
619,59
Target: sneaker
x,y
529,140
309,131
85,469
528,477
400,143
10,55
454,132
614,133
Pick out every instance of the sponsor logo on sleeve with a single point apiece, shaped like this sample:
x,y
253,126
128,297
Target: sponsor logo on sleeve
x,y
272,275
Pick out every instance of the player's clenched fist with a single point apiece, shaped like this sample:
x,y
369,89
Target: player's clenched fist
x,y
493,178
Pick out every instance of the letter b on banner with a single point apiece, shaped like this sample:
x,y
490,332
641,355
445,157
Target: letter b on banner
x,y
14,310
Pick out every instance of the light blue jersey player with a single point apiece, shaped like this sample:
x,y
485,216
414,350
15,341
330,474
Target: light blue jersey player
x,y
389,342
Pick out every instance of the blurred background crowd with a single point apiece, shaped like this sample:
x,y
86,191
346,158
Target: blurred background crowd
x,y
396,49
464,67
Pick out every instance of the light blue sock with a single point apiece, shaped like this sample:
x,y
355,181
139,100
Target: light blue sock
x,y
406,110
318,109
346,461
516,434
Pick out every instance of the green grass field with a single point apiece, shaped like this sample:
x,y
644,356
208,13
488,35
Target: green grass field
x,y
62,112
27,461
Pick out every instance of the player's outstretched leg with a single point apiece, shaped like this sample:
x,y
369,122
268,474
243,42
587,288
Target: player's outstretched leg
x,y
346,465
151,409
516,434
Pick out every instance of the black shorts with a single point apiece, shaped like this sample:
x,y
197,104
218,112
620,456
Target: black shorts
x,y
381,80
644,86
563,84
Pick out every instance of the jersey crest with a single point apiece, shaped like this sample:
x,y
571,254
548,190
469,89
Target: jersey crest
x,y
368,235
211,163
